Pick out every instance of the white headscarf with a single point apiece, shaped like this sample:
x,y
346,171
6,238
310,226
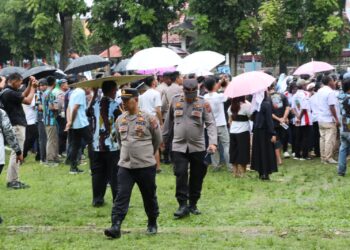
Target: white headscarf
x,y
257,100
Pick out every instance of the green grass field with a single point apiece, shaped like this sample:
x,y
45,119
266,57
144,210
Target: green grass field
x,y
305,206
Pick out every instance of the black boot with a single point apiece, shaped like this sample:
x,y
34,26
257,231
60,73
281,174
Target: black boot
x,y
114,232
193,209
182,211
152,227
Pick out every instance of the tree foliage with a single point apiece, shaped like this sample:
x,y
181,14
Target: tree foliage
x,y
226,26
132,24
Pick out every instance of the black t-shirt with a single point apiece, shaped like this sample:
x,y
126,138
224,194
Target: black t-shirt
x,y
279,105
12,101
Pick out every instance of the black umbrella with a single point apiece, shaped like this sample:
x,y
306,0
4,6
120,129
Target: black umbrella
x,y
121,67
86,63
59,74
10,70
39,72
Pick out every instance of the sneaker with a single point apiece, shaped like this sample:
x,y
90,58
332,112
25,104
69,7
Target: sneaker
x,y
332,161
302,159
76,171
342,174
17,185
286,155
295,158
43,162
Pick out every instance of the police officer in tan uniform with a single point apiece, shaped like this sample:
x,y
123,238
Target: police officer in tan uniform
x,y
174,88
139,135
189,114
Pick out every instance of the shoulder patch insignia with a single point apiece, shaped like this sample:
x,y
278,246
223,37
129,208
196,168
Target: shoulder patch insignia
x,y
178,105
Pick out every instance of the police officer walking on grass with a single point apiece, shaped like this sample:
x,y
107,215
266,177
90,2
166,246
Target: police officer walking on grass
x,y
139,136
189,114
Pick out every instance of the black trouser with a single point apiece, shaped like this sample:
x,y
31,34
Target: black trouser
x,y
316,139
168,146
62,135
302,141
76,137
292,135
1,167
145,178
189,188
42,140
32,136
285,140
104,169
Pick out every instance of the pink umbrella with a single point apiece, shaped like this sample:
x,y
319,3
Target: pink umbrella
x,y
312,68
248,84
159,71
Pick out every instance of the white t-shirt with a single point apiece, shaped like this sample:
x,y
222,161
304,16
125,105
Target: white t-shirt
x,y
78,97
314,107
216,102
326,98
301,102
240,127
30,112
149,101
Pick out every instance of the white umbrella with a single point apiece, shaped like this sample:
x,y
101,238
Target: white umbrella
x,y
200,61
153,58
203,72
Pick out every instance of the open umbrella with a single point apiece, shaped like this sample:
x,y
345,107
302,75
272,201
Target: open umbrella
x,y
160,71
200,61
10,70
248,84
86,63
121,66
39,72
59,74
153,58
313,67
97,83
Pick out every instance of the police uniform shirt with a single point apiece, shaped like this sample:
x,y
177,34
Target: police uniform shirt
x,y
189,120
173,90
139,136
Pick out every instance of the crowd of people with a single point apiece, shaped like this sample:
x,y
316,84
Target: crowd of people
x,y
129,130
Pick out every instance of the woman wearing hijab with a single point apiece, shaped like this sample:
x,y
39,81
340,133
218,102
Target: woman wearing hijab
x,y
263,153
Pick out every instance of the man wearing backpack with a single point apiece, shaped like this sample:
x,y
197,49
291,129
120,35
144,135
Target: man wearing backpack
x,y
12,100
344,101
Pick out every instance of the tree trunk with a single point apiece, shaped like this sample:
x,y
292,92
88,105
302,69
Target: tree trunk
x,y
282,66
67,25
35,59
52,57
233,63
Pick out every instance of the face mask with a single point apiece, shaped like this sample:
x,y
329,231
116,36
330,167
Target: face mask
x,y
191,95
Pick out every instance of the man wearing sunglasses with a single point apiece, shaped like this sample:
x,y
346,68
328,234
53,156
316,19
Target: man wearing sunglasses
x,y
189,114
